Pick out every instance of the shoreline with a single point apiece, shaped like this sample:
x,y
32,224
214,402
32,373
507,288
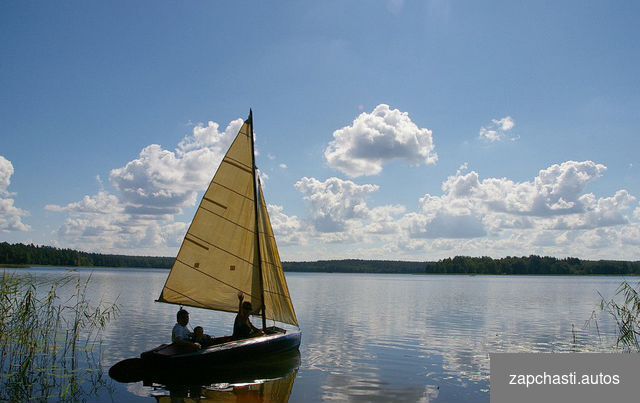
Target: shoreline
x,y
71,268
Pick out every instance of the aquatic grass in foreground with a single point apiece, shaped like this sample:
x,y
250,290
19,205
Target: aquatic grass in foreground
x,y
626,314
624,309
50,347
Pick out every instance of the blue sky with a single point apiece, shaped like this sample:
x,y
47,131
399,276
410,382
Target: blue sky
x,y
387,129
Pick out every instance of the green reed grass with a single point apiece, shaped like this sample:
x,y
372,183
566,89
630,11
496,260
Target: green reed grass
x,y
626,314
624,309
49,346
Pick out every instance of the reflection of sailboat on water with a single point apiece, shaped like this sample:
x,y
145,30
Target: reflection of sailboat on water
x,y
272,382
268,391
230,247
263,391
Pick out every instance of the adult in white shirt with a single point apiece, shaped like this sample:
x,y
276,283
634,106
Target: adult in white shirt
x,y
181,335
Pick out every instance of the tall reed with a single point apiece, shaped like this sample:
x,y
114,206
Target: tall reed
x,y
624,309
50,346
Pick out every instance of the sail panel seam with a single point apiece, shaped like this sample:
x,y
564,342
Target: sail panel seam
x,y
231,190
277,293
215,278
236,164
196,243
226,219
186,296
214,202
224,250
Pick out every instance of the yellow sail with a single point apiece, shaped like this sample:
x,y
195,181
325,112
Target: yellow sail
x,y
219,254
276,293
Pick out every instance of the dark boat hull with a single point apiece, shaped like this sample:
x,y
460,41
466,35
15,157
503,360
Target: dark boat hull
x,y
224,354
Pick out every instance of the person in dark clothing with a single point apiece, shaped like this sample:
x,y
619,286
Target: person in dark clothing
x,y
242,327
201,338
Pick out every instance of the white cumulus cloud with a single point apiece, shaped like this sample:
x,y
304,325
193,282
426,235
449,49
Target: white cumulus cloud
x,y
498,130
550,209
102,203
287,229
6,172
162,181
339,214
557,190
149,191
334,201
552,213
376,138
10,215
603,212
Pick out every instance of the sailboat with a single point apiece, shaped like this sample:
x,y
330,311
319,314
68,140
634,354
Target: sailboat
x,y
229,248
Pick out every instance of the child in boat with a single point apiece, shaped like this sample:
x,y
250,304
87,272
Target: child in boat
x,y
242,327
199,337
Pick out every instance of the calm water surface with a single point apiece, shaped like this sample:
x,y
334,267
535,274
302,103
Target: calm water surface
x,y
374,337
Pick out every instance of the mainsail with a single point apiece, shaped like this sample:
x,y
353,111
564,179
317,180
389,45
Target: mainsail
x,y
220,255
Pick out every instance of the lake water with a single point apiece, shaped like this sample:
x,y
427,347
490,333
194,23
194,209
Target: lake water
x,y
372,337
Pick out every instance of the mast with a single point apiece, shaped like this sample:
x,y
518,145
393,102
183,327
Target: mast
x,y
255,205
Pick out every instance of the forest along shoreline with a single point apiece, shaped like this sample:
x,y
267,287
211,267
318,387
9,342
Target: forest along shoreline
x,y
25,256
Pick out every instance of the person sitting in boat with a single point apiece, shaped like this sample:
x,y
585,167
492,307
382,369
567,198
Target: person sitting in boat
x,y
180,334
201,338
242,327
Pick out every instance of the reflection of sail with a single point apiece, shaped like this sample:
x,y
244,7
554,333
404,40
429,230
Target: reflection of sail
x,y
268,391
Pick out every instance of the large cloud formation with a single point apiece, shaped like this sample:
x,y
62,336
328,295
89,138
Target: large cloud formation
x,y
376,138
550,214
553,197
334,201
10,215
557,190
553,213
140,216
160,181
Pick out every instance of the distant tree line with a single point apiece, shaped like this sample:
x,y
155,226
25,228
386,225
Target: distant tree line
x,y
355,266
20,254
474,265
531,265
